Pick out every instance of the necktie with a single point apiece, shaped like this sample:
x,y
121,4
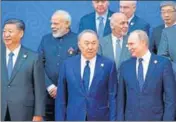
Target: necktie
x,y
118,52
140,74
86,76
100,27
10,64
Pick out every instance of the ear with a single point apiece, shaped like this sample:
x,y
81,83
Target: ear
x,y
67,24
21,33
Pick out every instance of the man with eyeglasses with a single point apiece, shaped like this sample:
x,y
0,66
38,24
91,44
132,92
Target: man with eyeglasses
x,y
168,42
169,18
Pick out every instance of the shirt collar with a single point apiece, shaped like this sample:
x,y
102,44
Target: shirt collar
x,y
172,25
115,38
104,15
146,57
91,60
129,20
15,51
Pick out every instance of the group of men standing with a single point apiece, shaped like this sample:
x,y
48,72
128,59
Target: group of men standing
x,y
106,72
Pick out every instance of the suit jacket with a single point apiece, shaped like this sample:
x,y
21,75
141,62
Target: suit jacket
x,y
156,101
106,49
88,22
167,44
138,24
54,51
156,37
24,93
72,101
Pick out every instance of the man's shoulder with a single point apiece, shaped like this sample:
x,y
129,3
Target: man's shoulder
x,y
141,21
170,30
27,51
105,39
158,28
88,16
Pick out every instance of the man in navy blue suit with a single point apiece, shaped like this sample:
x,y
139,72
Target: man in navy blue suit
x,y
147,89
97,21
135,22
168,10
87,85
54,48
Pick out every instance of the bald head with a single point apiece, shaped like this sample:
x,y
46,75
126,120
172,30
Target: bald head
x,y
128,8
119,24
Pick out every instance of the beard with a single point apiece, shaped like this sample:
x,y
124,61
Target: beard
x,y
59,33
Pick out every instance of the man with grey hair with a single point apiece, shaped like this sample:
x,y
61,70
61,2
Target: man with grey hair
x,y
168,14
146,89
54,48
135,22
167,43
87,84
113,45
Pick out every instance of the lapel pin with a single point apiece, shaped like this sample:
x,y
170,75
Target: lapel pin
x,y
25,56
155,61
70,50
131,23
102,65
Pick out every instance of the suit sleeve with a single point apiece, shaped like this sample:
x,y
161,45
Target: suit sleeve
x,y
169,85
163,46
61,98
147,29
39,87
121,97
113,93
47,80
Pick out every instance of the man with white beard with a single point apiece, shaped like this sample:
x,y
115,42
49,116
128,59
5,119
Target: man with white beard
x,y
54,48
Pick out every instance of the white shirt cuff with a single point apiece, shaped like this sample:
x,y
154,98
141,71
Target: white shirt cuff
x,y
50,87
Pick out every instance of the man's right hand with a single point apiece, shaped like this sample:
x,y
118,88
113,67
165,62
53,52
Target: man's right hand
x,y
53,92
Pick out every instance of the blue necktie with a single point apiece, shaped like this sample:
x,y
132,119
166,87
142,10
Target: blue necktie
x,y
118,52
10,64
100,27
140,74
86,76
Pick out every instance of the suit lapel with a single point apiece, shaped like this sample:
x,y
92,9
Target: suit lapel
x,y
132,23
77,73
22,56
4,65
134,75
109,48
150,71
97,74
107,25
93,23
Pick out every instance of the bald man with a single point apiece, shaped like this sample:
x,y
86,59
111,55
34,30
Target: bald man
x,y
113,45
135,22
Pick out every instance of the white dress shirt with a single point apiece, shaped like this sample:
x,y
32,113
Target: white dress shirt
x,y
145,63
15,52
91,65
98,21
114,41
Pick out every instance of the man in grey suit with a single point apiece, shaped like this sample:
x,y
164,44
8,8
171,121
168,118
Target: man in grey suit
x,y
168,15
22,82
113,45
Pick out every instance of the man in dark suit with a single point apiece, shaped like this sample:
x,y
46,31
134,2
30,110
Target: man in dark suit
x,y
135,22
169,18
97,21
147,89
22,77
87,84
54,48
113,45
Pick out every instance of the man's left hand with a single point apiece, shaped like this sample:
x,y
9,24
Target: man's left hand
x,y
37,118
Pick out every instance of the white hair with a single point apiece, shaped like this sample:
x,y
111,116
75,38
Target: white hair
x,y
134,2
142,36
65,14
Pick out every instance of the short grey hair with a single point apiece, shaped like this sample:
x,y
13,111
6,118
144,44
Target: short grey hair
x,y
66,16
168,3
86,31
19,23
134,2
142,35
